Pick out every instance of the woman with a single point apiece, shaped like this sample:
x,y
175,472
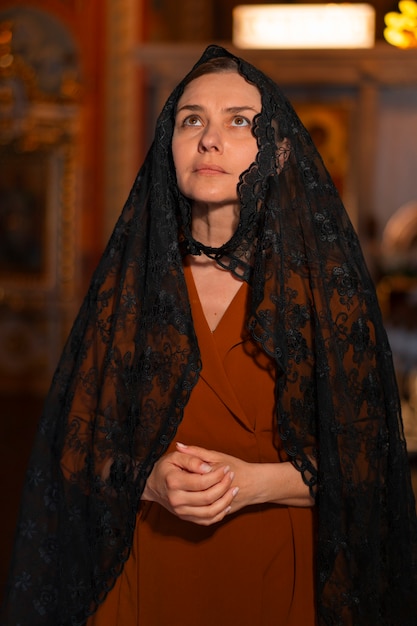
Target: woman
x,y
228,367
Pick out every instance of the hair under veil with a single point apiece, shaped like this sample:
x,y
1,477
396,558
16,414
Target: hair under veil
x,y
132,360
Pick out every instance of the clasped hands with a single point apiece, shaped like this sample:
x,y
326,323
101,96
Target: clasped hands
x,y
199,485
203,486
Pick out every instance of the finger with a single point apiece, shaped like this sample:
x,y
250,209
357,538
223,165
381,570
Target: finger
x,y
210,514
213,458
208,456
184,482
203,461
191,463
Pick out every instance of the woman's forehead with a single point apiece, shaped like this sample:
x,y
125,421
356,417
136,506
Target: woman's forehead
x,y
226,86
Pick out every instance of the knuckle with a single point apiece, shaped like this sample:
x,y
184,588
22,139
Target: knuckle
x,y
173,500
171,482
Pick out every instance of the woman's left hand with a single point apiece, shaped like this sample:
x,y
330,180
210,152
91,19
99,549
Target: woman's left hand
x,y
258,483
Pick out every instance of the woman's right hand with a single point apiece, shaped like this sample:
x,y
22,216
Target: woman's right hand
x,y
190,488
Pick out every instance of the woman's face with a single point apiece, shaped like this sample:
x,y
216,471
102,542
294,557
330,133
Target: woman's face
x,y
213,141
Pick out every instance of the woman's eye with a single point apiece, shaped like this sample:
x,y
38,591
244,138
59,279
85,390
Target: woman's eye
x,y
241,121
192,120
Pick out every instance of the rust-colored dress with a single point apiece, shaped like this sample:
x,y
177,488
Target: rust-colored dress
x,y
255,568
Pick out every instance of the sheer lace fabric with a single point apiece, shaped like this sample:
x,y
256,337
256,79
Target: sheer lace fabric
x,y
132,360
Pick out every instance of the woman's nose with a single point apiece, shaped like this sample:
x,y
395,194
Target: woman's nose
x,y
211,139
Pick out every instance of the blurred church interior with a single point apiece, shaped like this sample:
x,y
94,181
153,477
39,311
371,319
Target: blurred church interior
x,y
81,83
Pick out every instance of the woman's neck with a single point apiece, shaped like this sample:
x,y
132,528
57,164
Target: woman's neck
x,y
214,226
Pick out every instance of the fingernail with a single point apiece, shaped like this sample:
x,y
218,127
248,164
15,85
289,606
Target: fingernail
x,y
205,468
232,475
235,491
226,469
229,508
181,445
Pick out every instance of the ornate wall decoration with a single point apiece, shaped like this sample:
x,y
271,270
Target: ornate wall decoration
x,y
123,145
39,182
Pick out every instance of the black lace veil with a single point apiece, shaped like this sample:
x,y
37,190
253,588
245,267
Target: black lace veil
x,y
132,359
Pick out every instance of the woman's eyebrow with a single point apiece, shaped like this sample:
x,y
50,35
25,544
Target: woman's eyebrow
x,y
190,107
241,108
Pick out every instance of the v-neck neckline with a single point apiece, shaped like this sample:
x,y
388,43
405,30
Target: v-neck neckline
x,y
215,345
239,296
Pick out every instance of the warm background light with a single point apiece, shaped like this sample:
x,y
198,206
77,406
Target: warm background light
x,y
401,28
304,26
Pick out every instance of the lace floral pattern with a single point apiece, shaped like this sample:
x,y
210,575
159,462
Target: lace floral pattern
x,y
132,360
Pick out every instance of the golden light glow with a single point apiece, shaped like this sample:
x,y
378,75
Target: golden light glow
x,y
401,28
304,26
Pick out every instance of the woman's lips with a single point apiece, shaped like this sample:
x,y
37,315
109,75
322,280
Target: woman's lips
x,y
209,169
